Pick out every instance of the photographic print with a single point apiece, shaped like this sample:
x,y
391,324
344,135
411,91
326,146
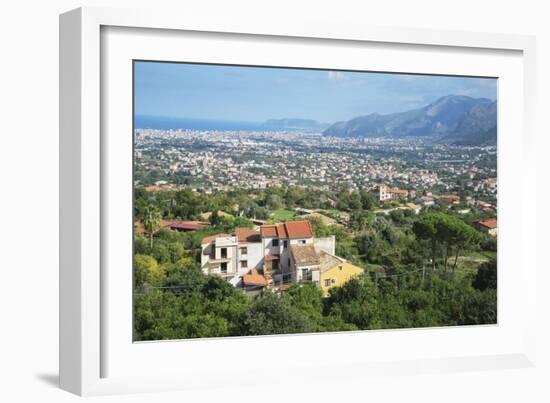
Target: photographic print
x,y
274,200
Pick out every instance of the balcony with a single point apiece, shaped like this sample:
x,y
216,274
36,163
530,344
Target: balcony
x,y
226,241
218,261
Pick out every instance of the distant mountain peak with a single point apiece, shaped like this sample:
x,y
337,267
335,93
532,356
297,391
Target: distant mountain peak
x,y
454,118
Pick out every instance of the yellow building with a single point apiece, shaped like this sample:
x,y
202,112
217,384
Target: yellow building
x,y
335,272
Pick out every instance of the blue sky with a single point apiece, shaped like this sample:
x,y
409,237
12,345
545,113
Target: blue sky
x,y
255,94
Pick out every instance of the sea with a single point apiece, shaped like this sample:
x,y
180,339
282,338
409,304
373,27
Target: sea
x,y
166,123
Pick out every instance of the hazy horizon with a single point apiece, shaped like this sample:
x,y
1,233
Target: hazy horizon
x,y
252,95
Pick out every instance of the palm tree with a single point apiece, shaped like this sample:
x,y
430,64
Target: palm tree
x,y
151,221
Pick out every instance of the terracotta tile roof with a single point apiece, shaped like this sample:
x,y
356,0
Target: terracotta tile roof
x,y
187,225
290,229
282,231
247,235
163,224
299,229
254,278
398,191
490,223
268,231
212,238
304,255
328,261
452,198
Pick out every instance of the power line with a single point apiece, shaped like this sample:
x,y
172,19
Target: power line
x,y
399,274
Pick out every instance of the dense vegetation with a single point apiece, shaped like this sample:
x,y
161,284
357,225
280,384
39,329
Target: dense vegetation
x,y
431,269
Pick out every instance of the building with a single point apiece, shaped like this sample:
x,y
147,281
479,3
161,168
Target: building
x,y
425,201
187,226
449,199
305,262
273,256
386,193
413,207
175,225
488,225
335,272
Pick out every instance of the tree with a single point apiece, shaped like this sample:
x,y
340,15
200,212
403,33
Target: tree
x,y
147,271
444,230
426,229
151,222
308,299
215,218
486,276
360,220
464,237
368,200
163,315
274,202
273,314
354,201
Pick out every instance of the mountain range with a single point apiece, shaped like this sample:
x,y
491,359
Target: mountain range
x,y
291,124
455,119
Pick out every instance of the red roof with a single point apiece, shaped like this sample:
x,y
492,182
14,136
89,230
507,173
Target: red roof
x,y
281,231
490,223
268,231
291,229
254,278
187,225
212,238
163,224
299,229
247,235
449,198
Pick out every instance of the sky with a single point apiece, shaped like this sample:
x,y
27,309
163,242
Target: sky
x,y
255,94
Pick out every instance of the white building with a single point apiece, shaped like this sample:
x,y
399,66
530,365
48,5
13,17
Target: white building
x,y
271,252
388,194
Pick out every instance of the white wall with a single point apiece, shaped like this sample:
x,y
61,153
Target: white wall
x,y
254,256
327,244
28,169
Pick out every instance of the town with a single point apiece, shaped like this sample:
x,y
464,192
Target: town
x,y
277,247
213,161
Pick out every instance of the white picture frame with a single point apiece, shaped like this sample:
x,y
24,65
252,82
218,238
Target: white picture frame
x,y
85,344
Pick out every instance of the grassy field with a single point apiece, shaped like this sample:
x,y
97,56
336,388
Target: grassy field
x,y
282,215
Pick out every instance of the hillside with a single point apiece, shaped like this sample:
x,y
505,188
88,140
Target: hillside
x,y
453,118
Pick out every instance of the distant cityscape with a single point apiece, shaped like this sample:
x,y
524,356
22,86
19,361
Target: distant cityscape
x,y
213,161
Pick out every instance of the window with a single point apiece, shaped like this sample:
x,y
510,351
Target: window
x,y
223,267
244,264
306,275
224,253
301,242
274,264
243,251
275,242
327,282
